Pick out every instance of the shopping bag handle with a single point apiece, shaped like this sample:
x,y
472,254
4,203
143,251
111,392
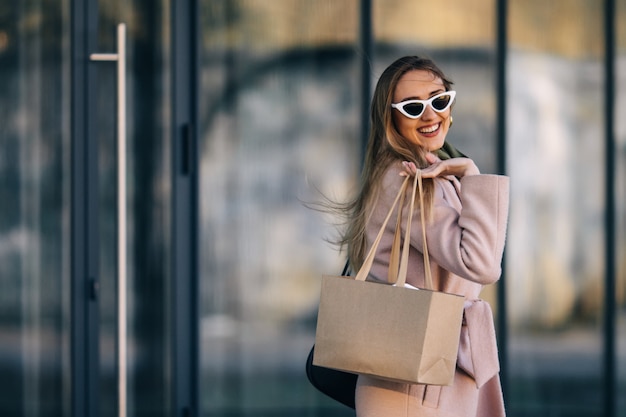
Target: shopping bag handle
x,y
403,265
394,257
428,278
369,259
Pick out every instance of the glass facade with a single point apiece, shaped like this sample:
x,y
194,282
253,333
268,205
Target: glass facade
x,y
280,124
34,208
279,119
556,264
36,180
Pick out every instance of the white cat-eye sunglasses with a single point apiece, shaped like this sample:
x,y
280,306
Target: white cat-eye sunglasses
x,y
413,109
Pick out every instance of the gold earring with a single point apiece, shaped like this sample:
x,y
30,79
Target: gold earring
x,y
451,121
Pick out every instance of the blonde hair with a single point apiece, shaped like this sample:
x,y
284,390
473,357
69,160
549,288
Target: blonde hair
x,y
385,145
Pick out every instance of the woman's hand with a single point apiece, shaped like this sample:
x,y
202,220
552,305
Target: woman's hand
x,y
459,167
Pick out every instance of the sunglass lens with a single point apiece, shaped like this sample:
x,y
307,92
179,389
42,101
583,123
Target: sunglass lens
x,y
414,109
442,102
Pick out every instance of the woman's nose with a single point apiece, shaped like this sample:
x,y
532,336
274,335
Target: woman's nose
x,y
429,113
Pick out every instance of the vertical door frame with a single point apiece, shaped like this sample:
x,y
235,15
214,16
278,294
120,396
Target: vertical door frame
x,y
610,362
84,350
366,45
185,269
502,320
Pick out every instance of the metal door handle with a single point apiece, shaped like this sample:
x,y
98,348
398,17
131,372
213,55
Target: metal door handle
x,y
120,57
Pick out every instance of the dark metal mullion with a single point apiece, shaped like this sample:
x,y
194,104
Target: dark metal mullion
x,y
78,319
610,363
501,137
84,218
367,59
184,282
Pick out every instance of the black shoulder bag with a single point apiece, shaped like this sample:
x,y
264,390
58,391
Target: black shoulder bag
x,y
338,385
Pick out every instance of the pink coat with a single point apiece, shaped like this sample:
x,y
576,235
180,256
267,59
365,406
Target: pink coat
x,y
465,243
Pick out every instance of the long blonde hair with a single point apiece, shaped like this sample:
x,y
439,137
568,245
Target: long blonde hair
x,y
385,145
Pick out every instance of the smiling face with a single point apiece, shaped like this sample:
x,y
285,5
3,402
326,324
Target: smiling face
x,y
430,129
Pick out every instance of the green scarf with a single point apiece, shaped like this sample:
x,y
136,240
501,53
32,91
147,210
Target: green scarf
x,y
448,151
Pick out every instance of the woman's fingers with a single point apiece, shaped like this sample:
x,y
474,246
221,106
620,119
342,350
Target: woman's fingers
x,y
459,167
409,168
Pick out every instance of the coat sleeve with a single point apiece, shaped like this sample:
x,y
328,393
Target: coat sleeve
x,y
469,243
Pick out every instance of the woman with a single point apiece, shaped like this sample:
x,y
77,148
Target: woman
x,y
466,224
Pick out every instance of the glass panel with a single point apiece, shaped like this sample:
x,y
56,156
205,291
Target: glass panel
x,y
620,155
149,212
555,260
34,213
279,116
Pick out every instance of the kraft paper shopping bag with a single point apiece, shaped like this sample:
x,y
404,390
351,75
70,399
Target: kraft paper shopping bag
x,y
392,332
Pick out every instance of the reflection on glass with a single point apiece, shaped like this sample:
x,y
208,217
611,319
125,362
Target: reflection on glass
x,y
34,209
278,113
555,262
